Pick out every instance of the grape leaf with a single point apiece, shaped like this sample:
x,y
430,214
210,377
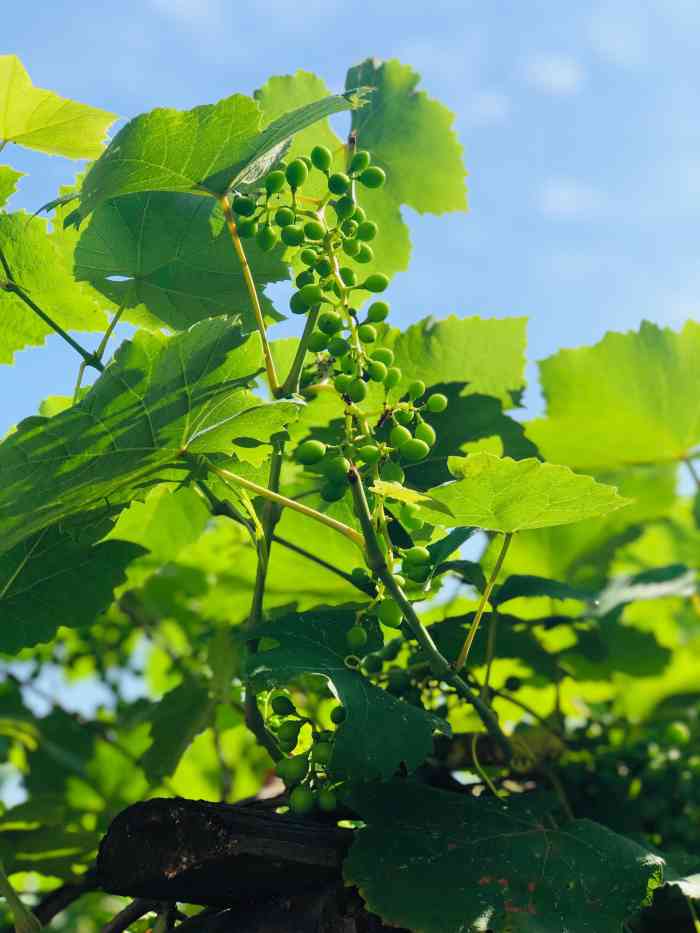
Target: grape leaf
x,y
441,862
487,354
41,263
501,494
8,182
632,398
176,720
52,579
379,731
519,585
40,119
160,396
165,255
399,493
209,149
412,137
657,583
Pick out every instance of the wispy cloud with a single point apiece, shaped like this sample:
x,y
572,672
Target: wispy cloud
x,y
567,198
487,107
619,31
560,75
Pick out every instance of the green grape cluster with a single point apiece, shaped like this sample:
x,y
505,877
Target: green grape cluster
x,y
306,774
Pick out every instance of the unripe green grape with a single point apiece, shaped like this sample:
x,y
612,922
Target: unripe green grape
x,y
297,305
287,745
305,278
369,453
414,450
336,470
376,371
419,573
365,254
360,161
392,473
284,216
367,231
349,228
243,205
348,365
360,575
344,208
381,354
393,377
330,322
283,706
373,177
400,581
308,256
373,664
342,383
274,182
322,158
338,183
338,346
403,416
302,800
323,267
297,173
377,282
332,492
436,403
338,714
292,770
327,800
247,229
409,516
266,238
310,452
293,235
360,215
366,333
307,161
389,613
417,555
357,390
314,230
416,389
348,276
321,753
677,733
289,731
312,295
317,342
356,638
351,247
426,432
399,436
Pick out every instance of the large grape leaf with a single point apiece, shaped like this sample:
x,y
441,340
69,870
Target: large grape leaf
x,y
380,731
165,254
41,263
53,578
8,182
441,862
159,397
39,119
176,720
501,494
632,398
208,149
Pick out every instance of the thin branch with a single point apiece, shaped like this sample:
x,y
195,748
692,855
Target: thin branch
x,y
253,294
291,383
474,627
133,911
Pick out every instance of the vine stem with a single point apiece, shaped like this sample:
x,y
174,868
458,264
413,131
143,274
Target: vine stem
x,y
693,472
474,627
9,285
253,293
283,501
291,383
99,352
439,665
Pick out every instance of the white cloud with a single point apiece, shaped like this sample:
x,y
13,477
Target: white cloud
x,y
566,198
555,74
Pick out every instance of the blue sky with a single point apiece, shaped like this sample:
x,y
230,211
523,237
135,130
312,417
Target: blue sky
x,y
579,124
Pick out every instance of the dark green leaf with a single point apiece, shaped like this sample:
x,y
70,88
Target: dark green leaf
x,y
518,585
176,720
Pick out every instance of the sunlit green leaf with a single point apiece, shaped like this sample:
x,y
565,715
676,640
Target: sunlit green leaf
x,y
8,182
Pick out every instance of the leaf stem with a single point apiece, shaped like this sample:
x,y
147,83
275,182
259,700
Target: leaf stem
x,y
253,294
439,665
9,285
283,501
291,383
474,627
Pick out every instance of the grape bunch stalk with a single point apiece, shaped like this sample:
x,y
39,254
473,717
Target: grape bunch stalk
x,y
324,236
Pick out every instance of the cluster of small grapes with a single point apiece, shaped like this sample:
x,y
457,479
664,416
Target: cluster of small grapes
x,y
305,774
649,784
